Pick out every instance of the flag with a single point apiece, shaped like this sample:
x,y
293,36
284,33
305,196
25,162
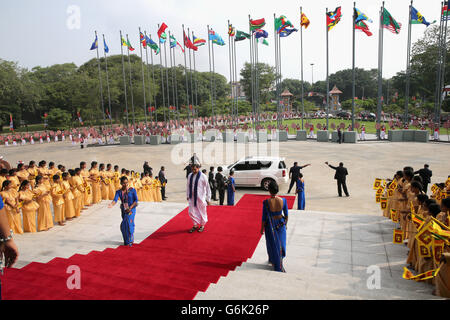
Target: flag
x,y
198,42
362,26
107,113
95,44
162,33
389,22
174,43
287,32
215,38
261,34
333,18
152,44
398,236
79,118
105,46
11,123
304,21
231,31
257,24
264,42
240,36
418,18
188,43
282,23
445,12
127,44
143,40
359,16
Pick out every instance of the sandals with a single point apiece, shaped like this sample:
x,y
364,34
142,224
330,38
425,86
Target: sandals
x,y
193,229
202,228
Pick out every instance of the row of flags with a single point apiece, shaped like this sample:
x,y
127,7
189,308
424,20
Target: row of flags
x,y
282,26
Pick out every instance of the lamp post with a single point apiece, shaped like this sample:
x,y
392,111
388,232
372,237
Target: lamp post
x,y
312,74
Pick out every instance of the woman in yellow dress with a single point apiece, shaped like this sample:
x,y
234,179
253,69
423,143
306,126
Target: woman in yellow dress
x,y
158,185
94,175
146,187
32,172
42,193
138,186
57,192
69,209
44,173
29,207
104,184
110,176
117,176
21,173
87,183
15,183
76,183
10,199
52,170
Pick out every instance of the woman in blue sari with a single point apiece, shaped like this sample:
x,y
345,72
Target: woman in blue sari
x,y
301,192
274,225
129,199
231,189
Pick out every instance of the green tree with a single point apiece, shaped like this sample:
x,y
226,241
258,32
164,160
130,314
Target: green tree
x,y
58,119
267,80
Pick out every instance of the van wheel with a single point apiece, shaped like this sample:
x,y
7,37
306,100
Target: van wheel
x,y
265,183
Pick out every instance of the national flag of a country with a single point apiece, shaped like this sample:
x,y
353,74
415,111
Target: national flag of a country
x,y
94,44
198,42
188,43
257,24
389,22
162,32
287,32
282,23
445,12
152,44
130,47
105,46
215,38
304,21
240,36
143,40
362,26
359,16
174,43
231,31
261,34
333,18
11,123
418,18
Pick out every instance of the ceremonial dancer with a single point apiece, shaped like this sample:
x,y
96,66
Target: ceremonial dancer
x,y
199,196
129,199
300,192
363,133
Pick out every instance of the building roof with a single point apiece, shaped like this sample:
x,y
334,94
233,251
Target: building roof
x,y
335,91
286,93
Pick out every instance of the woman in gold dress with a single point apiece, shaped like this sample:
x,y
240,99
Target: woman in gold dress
x,y
57,192
10,199
43,197
29,206
69,209
94,175
104,184
110,176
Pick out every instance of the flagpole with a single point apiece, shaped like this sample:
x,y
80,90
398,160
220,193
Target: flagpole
x,y
131,86
153,78
328,78
444,60
276,73
186,76
190,72
353,68
177,105
143,79
124,81
101,82
301,55
380,71
439,68
252,71
257,106
162,77
408,67
210,76
107,83
196,78
214,79
231,73
235,79
171,69
148,77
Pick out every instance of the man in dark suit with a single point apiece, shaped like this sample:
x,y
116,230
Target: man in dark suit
x,y
147,168
339,132
163,180
426,175
294,173
340,176
212,183
221,186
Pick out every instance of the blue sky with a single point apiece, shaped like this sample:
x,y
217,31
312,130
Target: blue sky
x,y
36,32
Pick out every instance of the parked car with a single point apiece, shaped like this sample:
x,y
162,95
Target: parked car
x,y
343,114
258,171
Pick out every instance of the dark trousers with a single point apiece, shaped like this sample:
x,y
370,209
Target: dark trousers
x,y
163,192
213,191
339,138
425,187
221,196
342,185
293,182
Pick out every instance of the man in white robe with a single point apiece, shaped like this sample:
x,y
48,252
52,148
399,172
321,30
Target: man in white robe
x,y
198,195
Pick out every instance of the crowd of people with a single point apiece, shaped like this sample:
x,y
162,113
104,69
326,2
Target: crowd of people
x,y
423,223
36,197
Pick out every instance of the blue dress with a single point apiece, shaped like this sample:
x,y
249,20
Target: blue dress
x,y
301,194
230,192
127,225
275,232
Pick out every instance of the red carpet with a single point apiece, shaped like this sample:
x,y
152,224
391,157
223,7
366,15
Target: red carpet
x,y
171,264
